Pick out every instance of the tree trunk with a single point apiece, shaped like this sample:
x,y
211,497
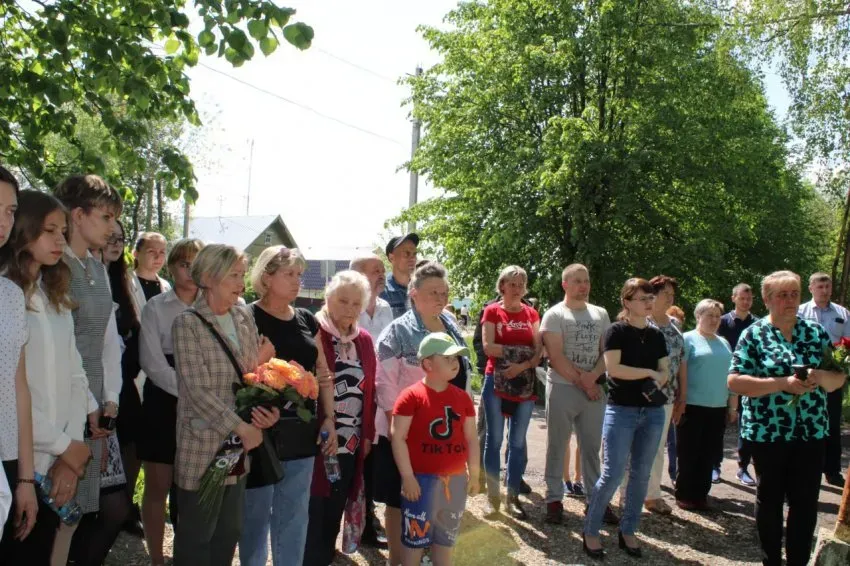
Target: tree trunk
x,y
149,204
842,246
159,226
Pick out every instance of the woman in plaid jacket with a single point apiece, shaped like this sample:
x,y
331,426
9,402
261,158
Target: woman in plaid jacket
x,y
205,407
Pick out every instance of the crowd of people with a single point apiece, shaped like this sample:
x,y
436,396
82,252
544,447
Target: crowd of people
x,y
106,368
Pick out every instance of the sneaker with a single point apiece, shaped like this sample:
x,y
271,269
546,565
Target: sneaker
x,y
524,488
745,478
513,507
715,475
834,479
491,508
578,489
554,513
568,488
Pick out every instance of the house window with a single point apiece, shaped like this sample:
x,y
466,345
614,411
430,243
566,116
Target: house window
x,y
268,239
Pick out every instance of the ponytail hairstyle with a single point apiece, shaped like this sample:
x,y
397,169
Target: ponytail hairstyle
x,y
119,282
143,239
630,289
15,259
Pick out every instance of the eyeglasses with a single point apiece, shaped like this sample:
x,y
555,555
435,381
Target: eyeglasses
x,y
644,299
114,240
786,295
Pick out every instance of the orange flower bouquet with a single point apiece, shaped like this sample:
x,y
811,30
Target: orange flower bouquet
x,y
276,383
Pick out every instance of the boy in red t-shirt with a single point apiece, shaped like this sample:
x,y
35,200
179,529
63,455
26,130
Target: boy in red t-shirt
x,y
435,444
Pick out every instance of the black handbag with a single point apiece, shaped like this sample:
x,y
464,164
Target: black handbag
x,y
265,466
293,438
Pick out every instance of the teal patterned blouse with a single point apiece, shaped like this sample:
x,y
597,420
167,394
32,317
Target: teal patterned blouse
x,y
764,352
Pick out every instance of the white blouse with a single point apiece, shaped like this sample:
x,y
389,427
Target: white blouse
x,y
155,339
61,399
13,335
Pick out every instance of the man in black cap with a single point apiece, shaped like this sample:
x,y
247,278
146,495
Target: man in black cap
x,y
401,251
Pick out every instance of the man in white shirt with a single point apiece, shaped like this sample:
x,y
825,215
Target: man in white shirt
x,y
377,314
572,335
836,321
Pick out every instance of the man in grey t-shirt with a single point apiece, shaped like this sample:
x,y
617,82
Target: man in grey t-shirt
x,y
572,333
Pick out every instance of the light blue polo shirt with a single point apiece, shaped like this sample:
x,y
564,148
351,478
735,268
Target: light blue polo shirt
x,y
834,318
708,367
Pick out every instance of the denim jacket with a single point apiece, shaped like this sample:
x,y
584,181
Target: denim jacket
x,y
398,364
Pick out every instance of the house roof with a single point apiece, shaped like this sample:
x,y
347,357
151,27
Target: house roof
x,y
238,231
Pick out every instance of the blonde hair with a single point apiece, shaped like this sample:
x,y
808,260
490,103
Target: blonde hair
x,y
215,261
571,270
510,272
359,262
271,259
348,278
706,305
146,237
777,278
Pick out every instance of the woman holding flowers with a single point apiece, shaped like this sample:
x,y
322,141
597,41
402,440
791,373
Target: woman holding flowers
x,y
398,368
784,416
215,343
280,509
351,351
158,440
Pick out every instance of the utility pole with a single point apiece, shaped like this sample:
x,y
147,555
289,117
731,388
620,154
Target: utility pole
x,y
250,167
414,177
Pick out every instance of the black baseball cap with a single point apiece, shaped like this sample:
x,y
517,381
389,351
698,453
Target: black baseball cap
x,y
399,240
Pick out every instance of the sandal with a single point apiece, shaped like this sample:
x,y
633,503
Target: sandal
x,y
658,506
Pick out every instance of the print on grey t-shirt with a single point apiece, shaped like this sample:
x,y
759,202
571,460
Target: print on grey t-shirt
x,y
581,331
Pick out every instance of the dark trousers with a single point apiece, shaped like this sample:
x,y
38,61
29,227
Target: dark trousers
x,y
699,435
371,521
789,470
832,459
744,450
208,537
35,550
326,515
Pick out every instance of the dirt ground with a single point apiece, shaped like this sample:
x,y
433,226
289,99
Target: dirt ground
x,y
724,537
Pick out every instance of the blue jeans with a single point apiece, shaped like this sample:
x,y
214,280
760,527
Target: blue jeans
x,y
627,433
671,452
281,509
517,449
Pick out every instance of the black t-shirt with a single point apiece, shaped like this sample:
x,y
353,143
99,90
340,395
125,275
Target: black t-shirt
x,y
151,288
639,348
293,340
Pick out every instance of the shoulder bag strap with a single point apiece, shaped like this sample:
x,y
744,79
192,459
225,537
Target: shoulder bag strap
x,y
221,341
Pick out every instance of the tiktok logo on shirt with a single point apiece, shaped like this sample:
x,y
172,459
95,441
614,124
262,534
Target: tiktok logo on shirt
x,y
442,429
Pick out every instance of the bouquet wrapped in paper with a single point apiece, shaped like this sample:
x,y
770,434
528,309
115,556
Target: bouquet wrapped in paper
x,y
276,383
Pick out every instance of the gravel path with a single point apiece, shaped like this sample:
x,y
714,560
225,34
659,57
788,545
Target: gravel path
x,y
721,538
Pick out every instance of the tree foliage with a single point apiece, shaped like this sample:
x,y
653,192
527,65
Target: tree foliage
x,y
562,132
65,57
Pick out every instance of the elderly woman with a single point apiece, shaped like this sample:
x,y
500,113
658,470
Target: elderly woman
x,y
215,343
513,346
637,364
398,368
158,439
787,438
351,353
709,404
280,510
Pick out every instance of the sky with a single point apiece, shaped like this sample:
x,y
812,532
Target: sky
x,y
333,183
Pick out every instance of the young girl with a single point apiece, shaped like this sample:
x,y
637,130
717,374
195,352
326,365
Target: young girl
x,y
93,206
158,439
15,408
60,393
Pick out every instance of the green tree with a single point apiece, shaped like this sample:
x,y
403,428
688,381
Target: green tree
x,y
59,58
594,132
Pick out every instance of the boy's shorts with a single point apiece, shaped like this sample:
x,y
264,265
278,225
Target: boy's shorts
x,y
435,517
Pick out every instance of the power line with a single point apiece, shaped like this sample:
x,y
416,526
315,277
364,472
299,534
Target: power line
x,y
302,106
355,65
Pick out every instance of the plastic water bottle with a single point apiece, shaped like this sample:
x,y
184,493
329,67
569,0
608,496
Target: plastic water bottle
x,y
70,513
331,462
